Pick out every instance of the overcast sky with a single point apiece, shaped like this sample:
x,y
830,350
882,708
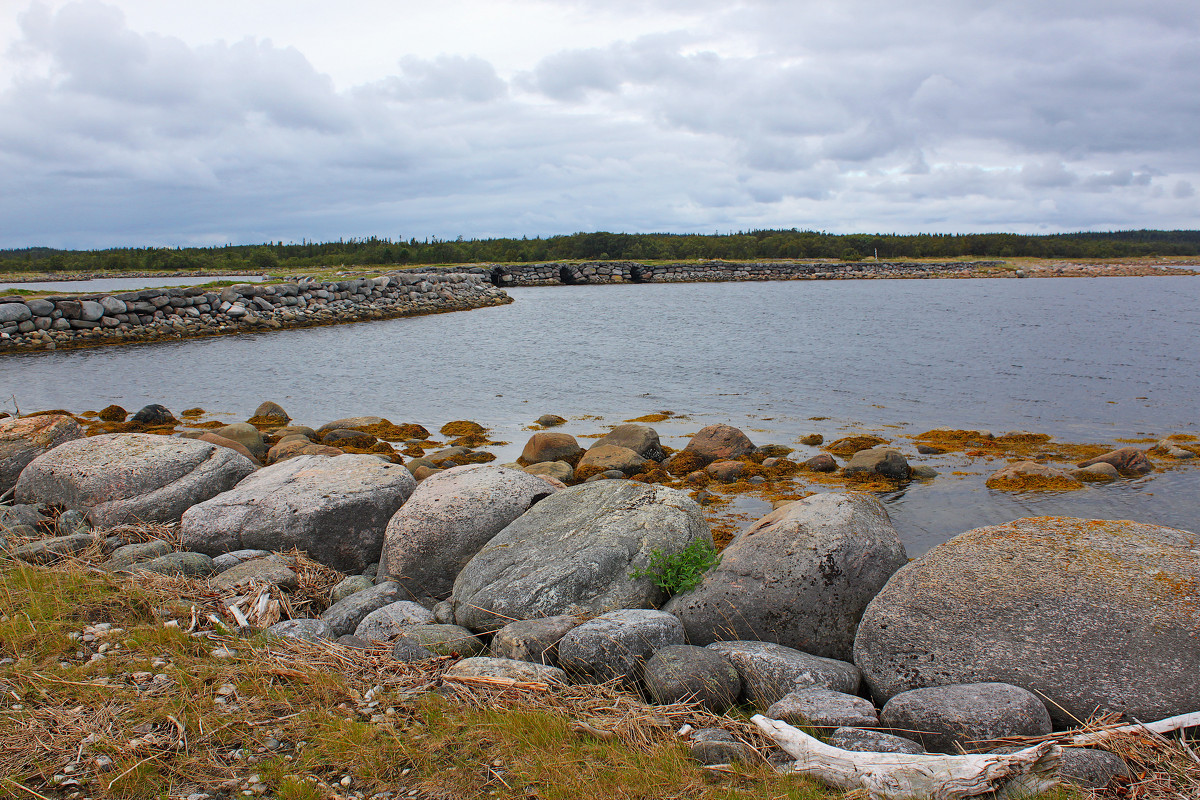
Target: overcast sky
x,y
137,122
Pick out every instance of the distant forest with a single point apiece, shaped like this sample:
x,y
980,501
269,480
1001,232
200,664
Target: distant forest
x,y
767,244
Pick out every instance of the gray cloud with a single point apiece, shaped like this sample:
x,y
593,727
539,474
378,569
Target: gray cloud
x,y
860,115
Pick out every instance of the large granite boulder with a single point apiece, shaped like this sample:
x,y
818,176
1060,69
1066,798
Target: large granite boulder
x,y
576,553
22,439
131,477
641,439
449,518
1092,615
800,576
335,508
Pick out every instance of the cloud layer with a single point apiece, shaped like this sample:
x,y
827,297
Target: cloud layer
x,y
857,116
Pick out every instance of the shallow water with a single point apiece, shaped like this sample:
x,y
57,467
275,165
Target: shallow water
x,y
124,284
1085,360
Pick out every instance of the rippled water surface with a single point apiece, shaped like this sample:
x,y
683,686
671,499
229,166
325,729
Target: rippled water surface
x,y
1085,360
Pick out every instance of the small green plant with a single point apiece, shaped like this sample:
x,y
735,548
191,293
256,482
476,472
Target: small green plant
x,y
680,572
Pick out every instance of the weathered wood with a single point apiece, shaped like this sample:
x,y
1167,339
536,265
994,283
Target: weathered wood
x,y
904,776
1161,726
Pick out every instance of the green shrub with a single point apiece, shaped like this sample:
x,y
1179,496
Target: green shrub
x,y
680,572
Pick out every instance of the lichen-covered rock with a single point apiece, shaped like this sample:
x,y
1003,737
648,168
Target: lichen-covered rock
x,y
444,640
1093,615
686,673
131,477
336,509
268,570
524,671
770,671
449,517
22,439
311,630
718,746
344,616
533,640
818,707
387,622
800,576
576,552
943,718
868,741
718,443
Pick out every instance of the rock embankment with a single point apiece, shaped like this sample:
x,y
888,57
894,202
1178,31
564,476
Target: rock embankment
x,y
557,273
175,312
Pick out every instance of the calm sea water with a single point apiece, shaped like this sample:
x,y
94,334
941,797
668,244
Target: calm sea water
x,y
1085,360
122,284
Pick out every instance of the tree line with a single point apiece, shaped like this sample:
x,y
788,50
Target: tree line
x,y
748,245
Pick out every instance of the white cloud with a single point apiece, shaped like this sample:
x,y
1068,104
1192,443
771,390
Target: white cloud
x,y
119,123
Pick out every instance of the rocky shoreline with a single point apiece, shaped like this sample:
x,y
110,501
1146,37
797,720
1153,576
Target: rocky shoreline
x,y
814,615
89,320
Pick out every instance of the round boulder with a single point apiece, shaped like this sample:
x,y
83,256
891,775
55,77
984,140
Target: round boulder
x,y
387,622
719,443
819,707
1094,615
641,439
942,718
1128,461
449,517
154,414
605,457
131,477
800,576
688,674
885,462
617,644
1027,476
544,446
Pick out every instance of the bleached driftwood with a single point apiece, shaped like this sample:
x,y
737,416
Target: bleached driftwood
x,y
904,776
1167,725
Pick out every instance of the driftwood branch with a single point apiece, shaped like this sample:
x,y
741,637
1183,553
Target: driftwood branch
x,y
1161,726
903,776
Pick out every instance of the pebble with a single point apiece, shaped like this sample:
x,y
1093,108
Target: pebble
x,y
223,652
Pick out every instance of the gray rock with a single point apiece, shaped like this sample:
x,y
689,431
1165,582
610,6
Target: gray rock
x,y
14,312
640,439
154,414
349,585
443,612
137,552
187,564
311,630
345,615
550,420
268,570
408,651
131,477
90,310
886,462
227,560
923,473
448,519
484,667
533,640
769,671
688,674
40,308
349,423
801,576
1091,769
112,306
574,553
47,551
718,746
335,508
71,522
866,741
818,707
943,718
29,515
617,644
271,411
1052,604
350,640
444,640
22,439
387,622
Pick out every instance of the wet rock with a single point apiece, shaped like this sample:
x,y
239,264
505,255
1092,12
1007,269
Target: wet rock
x,y
272,412
685,673
559,470
246,435
641,439
813,440
1052,604
221,441
336,509
349,423
923,473
524,671
113,413
543,447
770,671
800,576
550,420
943,718
718,443
154,414
885,462
1128,460
617,644
726,471
1024,476
533,639
389,621
449,518
930,450
605,457
1101,472
303,447
849,445
818,707
575,552
344,437
22,439
822,462
131,477
868,741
